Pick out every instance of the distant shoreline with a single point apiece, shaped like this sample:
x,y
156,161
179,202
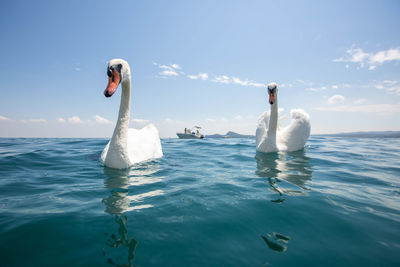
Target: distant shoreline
x,y
372,134
366,134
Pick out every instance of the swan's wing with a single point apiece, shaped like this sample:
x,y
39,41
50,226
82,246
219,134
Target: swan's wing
x,y
294,136
144,144
104,153
262,127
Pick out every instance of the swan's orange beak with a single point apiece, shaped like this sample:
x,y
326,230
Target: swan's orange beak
x,y
113,82
271,98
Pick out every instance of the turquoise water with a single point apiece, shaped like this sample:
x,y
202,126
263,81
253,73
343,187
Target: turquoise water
x,y
211,202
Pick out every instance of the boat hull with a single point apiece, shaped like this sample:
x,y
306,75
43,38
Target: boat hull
x,y
189,136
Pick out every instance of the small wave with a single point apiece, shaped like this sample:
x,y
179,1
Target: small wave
x,y
339,191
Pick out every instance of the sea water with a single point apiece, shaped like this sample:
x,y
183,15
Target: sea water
x,y
211,202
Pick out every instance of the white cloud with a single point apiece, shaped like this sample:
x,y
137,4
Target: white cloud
x,y
176,66
283,85
247,82
34,121
101,120
353,55
238,117
169,73
375,108
74,119
136,120
168,70
203,76
165,67
256,84
2,118
173,70
336,99
222,79
390,86
41,120
394,90
61,120
327,87
386,55
389,82
360,101
238,81
372,60
211,120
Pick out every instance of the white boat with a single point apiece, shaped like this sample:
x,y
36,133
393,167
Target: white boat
x,y
191,134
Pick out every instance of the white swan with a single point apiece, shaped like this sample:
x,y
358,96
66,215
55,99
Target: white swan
x,y
127,145
269,138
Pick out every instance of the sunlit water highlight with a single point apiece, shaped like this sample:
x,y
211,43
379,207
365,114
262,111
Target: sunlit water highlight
x,y
211,202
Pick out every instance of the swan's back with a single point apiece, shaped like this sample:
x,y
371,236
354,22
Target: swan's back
x,y
144,144
294,136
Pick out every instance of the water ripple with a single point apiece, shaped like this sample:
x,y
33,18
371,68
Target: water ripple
x,y
206,202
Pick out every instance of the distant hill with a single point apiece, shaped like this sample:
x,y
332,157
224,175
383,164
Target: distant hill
x,y
374,134
382,134
229,134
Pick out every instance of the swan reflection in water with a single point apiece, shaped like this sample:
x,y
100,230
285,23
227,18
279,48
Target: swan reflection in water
x,y
292,167
122,199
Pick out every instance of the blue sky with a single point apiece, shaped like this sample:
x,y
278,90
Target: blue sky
x,y
198,62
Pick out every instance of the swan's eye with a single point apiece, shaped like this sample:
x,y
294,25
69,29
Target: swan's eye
x,y
109,72
118,68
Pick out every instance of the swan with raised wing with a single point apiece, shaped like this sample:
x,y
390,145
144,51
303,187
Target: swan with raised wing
x,y
127,145
269,138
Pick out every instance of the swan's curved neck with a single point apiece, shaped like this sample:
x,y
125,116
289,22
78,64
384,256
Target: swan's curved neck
x,y
120,135
273,119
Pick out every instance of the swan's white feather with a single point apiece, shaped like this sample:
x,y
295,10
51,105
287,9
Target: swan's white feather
x,y
264,142
104,154
143,144
290,138
262,127
294,136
